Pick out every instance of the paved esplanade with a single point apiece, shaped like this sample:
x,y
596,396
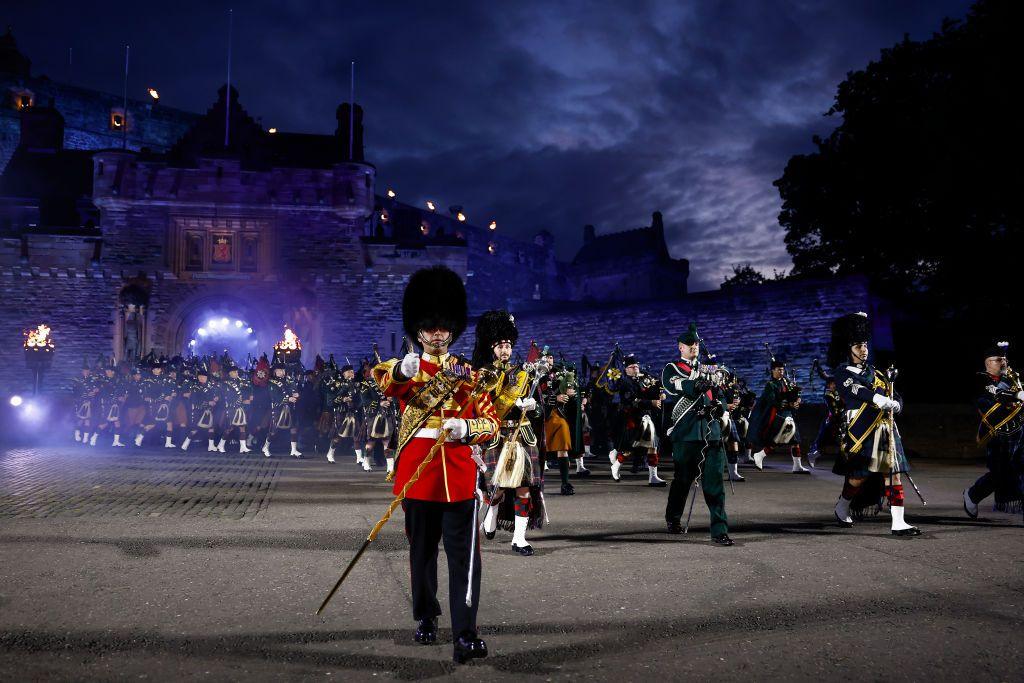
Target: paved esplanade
x,y
152,565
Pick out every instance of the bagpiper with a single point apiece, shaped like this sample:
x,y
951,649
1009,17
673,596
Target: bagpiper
x,y
871,445
379,422
237,397
204,398
514,492
773,421
640,403
113,391
828,432
696,433
84,389
284,394
158,392
558,388
347,403
439,401
1001,408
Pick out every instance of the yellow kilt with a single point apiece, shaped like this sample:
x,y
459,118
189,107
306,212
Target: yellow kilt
x,y
556,434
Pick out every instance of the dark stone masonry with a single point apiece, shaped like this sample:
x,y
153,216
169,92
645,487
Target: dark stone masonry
x,y
129,239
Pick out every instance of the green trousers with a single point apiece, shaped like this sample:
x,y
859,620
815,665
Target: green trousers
x,y
687,455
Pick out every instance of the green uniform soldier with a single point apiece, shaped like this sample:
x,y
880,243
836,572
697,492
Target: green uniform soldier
x,y
696,434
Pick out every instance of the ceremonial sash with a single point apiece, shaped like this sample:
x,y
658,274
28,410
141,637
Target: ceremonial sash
x,y
420,407
867,418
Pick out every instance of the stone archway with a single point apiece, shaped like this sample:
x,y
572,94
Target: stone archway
x,y
185,317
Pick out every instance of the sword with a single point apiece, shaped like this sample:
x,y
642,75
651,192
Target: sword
x,y
472,550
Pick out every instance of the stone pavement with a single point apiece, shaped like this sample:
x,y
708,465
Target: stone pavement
x,y
160,565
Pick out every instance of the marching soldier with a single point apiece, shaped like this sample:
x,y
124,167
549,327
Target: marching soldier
x,y
347,404
112,394
204,397
158,391
284,393
84,389
437,392
515,501
773,422
558,389
696,434
1001,406
640,401
872,448
237,398
378,423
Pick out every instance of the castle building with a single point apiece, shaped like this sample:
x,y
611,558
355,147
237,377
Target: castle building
x,y
146,227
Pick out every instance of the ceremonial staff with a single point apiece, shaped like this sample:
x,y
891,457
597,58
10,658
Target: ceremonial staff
x,y
892,374
372,536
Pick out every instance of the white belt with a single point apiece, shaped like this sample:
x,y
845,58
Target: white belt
x,y
430,433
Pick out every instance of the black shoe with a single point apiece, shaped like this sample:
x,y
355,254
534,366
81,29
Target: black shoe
x,y
524,550
912,531
722,539
568,490
489,535
467,649
674,528
426,632
842,522
657,484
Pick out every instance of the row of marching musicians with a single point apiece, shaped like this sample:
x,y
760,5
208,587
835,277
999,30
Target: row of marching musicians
x,y
182,401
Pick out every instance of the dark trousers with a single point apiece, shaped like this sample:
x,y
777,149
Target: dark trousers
x,y
427,523
687,456
1005,461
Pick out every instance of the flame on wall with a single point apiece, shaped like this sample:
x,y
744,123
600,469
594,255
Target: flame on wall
x,y
39,338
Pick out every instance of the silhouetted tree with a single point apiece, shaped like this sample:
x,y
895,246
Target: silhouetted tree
x,y
919,187
743,274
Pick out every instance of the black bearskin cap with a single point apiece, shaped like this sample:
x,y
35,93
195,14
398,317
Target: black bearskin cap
x,y
434,298
847,330
491,328
630,359
997,350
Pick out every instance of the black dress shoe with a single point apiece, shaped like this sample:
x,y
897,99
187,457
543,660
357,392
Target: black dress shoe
x,y
912,531
722,539
842,522
657,484
524,550
467,649
568,490
489,535
674,528
426,632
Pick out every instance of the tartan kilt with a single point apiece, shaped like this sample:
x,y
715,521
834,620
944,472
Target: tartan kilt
x,y
283,417
84,411
239,417
162,412
533,472
379,426
345,425
205,417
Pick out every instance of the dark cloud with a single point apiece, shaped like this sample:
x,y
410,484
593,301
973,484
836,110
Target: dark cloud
x,y
538,114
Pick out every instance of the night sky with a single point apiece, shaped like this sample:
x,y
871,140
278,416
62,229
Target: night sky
x,y
538,114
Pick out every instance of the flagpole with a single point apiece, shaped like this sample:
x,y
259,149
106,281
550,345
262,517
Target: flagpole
x,y
352,112
124,108
227,93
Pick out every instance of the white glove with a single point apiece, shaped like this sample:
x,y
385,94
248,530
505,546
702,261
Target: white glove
x,y
526,404
1020,395
456,427
885,403
410,366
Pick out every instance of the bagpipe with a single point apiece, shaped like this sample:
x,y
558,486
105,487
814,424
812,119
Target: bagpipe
x,y
1006,416
790,389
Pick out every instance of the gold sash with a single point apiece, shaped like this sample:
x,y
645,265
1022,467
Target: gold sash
x,y
420,407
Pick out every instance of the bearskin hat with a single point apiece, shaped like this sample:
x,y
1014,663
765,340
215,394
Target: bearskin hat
x,y
492,328
689,337
434,298
997,350
847,330
630,359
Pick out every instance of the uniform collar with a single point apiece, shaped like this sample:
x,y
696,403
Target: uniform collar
x,y
436,360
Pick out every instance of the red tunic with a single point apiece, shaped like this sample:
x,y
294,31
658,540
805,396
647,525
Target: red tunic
x,y
451,475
